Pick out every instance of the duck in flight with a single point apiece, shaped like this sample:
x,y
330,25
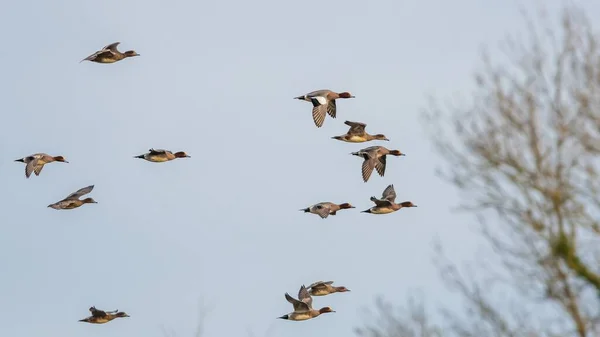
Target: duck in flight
x,y
35,163
325,209
375,158
357,134
101,317
303,309
72,200
109,54
159,156
323,103
387,203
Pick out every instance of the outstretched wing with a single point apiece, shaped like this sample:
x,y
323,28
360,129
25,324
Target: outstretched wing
x,y
79,193
331,108
304,296
389,193
356,128
380,165
299,306
111,47
319,111
157,151
30,167
367,168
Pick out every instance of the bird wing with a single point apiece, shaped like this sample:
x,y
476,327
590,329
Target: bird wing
x,y
367,168
157,151
322,210
97,313
319,284
331,108
380,165
389,193
356,128
299,306
304,296
80,192
318,113
111,47
30,167
381,202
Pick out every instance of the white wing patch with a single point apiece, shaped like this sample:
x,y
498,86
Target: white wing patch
x,y
322,100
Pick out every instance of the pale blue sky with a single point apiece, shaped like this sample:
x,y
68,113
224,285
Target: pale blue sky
x,y
216,79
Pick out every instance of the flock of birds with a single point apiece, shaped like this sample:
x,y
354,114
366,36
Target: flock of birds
x,y
324,102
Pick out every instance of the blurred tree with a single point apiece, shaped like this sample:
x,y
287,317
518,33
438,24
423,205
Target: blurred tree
x,y
523,152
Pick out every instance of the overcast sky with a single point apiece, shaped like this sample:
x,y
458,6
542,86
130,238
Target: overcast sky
x,y
216,79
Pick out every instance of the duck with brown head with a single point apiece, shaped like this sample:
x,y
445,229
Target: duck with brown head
x,y
110,54
326,208
387,203
321,288
35,162
72,200
303,309
375,158
357,134
323,103
161,156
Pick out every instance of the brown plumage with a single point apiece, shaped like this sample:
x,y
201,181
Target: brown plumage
x,y
322,288
387,203
160,156
303,309
35,163
323,103
325,209
375,158
357,134
101,317
109,54
72,200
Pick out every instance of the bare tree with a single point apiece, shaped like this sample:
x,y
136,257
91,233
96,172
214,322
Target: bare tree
x,y
524,152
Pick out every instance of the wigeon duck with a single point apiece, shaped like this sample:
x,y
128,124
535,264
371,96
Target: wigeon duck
x,y
35,162
387,203
323,102
72,200
109,54
357,134
101,317
324,209
375,158
303,307
321,288
159,156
